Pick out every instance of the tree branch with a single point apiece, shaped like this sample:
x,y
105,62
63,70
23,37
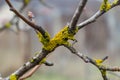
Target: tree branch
x,y
77,14
29,65
30,73
96,16
95,62
60,39
39,28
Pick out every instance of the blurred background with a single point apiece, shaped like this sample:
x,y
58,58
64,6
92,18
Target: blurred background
x,y
97,40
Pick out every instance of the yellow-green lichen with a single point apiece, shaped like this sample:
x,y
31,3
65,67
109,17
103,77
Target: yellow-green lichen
x,y
32,60
43,61
61,38
115,2
105,6
98,61
43,39
8,25
13,77
26,1
103,72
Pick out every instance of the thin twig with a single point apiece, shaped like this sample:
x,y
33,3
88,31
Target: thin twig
x,y
87,59
39,28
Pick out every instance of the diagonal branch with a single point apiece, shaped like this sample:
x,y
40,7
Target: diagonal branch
x,y
96,16
35,61
39,28
77,14
29,74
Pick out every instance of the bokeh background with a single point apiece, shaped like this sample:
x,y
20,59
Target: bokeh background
x,y
96,40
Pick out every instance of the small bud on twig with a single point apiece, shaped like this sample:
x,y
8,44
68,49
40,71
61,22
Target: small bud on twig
x,y
30,15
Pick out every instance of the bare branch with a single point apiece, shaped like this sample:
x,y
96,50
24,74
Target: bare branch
x,y
91,19
80,55
77,14
95,16
39,28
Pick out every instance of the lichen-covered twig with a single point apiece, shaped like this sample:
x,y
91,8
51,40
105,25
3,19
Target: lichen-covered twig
x,y
97,15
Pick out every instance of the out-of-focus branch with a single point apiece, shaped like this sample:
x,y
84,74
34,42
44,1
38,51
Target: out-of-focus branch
x,y
77,14
11,22
36,27
97,15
